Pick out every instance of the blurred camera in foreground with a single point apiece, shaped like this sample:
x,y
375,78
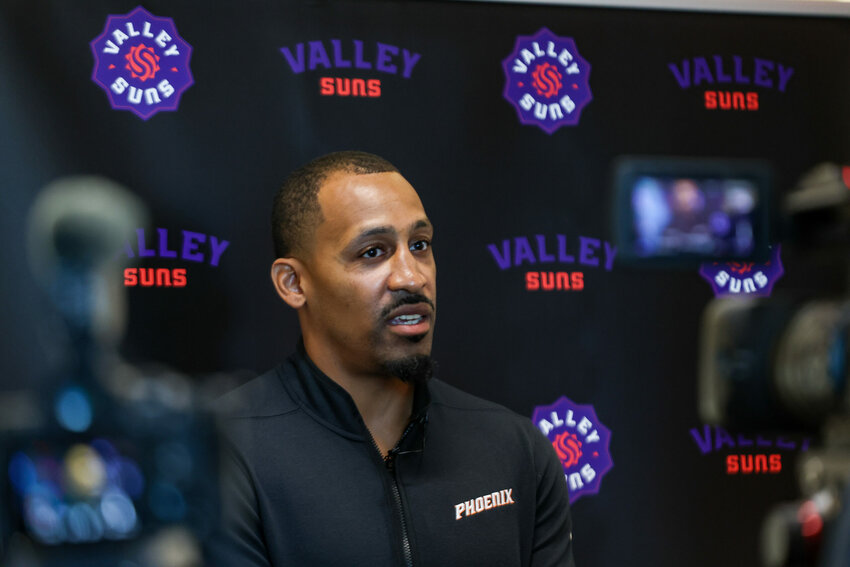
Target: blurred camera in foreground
x,y
109,464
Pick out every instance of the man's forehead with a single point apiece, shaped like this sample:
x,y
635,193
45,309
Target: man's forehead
x,y
352,203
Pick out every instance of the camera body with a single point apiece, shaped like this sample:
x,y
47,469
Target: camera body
x,y
777,363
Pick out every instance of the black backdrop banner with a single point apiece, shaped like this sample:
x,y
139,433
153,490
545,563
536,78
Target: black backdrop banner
x,y
514,186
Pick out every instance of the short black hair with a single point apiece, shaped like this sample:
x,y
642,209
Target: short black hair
x,y
296,211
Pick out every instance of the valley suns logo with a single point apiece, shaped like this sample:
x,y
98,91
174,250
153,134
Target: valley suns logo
x,y
744,278
338,64
142,63
547,80
750,454
581,442
183,246
544,258
731,82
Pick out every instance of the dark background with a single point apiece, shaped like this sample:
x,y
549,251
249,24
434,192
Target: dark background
x,y
627,343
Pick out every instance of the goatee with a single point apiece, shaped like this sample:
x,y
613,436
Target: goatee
x,y
414,368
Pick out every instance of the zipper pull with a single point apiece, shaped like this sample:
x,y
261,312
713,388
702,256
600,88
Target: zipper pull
x,y
389,460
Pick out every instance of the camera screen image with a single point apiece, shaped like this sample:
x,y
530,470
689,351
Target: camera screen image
x,y
709,217
81,492
71,494
673,211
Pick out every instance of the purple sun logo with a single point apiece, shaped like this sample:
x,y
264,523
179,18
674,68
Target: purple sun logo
x,y
142,63
744,278
580,441
547,80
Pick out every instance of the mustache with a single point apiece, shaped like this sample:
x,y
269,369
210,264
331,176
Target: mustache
x,y
405,299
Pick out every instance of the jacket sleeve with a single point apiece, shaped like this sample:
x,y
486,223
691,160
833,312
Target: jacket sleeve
x,y
239,537
553,537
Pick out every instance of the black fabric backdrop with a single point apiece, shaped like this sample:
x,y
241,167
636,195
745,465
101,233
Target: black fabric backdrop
x,y
627,343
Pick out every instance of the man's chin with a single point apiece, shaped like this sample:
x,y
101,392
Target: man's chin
x,y
397,345
415,338
412,368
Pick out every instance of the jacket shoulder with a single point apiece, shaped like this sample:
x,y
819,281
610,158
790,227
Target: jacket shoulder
x,y
448,396
263,396
462,409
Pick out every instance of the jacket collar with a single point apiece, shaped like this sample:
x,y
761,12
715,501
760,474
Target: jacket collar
x,y
330,404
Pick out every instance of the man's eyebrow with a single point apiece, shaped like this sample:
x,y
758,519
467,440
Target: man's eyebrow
x,y
381,230
374,232
358,240
421,223
386,230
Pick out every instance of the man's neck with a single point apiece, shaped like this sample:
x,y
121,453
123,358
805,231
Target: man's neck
x,y
385,403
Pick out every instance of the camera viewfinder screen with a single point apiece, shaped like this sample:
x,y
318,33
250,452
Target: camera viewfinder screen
x,y
92,490
708,217
83,492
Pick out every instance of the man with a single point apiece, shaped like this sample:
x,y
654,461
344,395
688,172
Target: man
x,y
347,453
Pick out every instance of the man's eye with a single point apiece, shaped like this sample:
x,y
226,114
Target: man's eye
x,y
420,245
373,253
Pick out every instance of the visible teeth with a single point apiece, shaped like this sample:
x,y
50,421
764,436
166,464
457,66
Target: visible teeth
x,y
407,319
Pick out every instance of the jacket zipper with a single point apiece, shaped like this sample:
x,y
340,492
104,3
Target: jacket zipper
x,y
405,537
389,461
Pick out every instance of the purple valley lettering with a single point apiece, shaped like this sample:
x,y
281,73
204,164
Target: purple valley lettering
x,y
541,250
729,80
355,56
184,245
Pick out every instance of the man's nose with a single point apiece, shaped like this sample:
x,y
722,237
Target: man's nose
x,y
407,272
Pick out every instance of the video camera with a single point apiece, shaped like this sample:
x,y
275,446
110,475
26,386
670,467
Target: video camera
x,y
778,363
110,464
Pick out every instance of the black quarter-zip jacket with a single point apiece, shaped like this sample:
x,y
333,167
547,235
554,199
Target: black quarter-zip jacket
x,y
469,483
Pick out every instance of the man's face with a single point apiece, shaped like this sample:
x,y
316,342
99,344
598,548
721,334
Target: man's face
x,y
370,278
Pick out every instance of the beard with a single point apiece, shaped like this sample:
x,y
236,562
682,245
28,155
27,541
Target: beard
x,y
416,368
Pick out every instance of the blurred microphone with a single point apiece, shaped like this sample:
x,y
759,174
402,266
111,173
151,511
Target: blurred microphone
x,y
77,225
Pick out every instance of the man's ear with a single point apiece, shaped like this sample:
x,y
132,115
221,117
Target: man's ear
x,y
286,276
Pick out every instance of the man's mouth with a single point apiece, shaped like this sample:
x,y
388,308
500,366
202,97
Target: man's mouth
x,y
409,320
406,320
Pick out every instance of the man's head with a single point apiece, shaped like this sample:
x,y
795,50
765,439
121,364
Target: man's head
x,y
354,258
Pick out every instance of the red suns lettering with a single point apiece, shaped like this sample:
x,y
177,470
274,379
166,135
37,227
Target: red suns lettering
x,y
146,277
326,86
753,101
549,281
749,464
163,277
344,86
577,279
734,100
775,463
374,86
737,100
159,277
179,277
